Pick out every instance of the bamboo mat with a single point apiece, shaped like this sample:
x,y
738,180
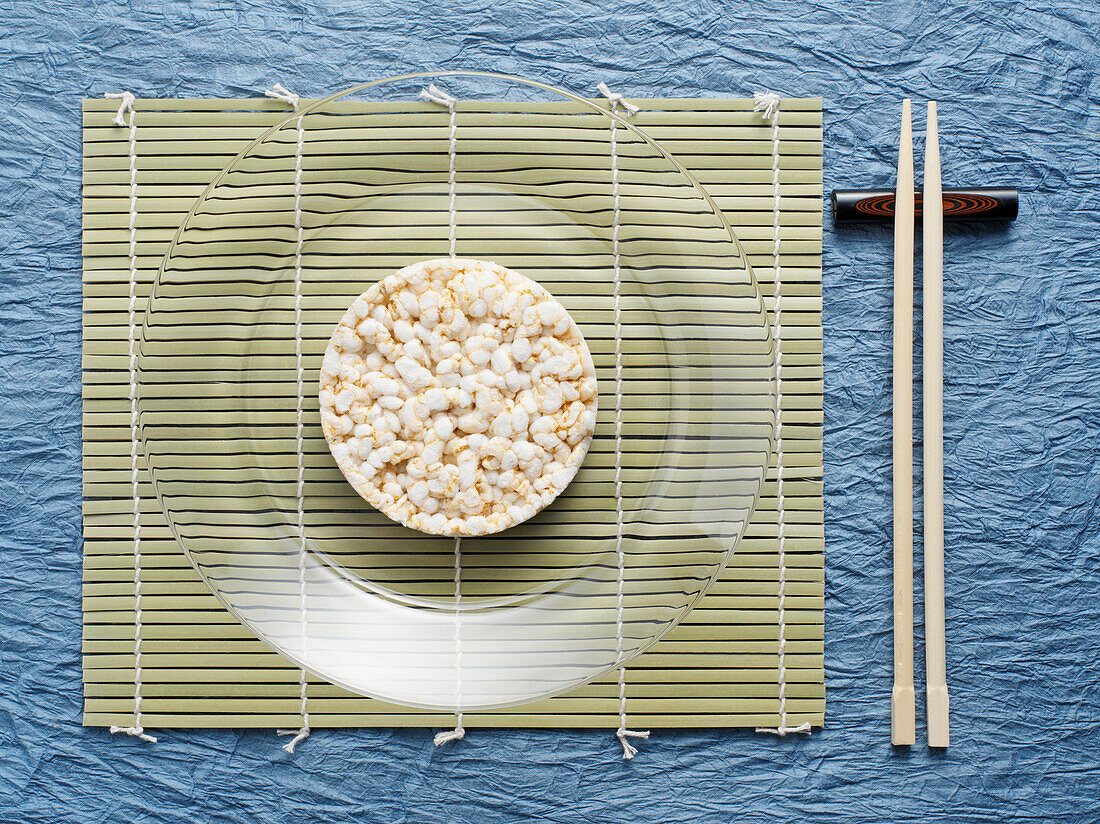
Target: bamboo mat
x,y
200,668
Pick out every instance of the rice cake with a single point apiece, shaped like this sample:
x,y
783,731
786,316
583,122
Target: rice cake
x,y
458,397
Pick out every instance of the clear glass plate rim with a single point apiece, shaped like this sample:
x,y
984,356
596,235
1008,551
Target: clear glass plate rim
x,y
716,212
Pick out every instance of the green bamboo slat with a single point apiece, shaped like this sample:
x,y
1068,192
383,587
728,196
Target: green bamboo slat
x,y
105,366
755,629
471,721
721,107
156,168
712,614
638,331
103,201
115,269
335,488
111,537
683,683
199,385
263,659
112,311
223,144
100,527
685,690
322,460
804,341
753,204
665,126
716,669
606,705
108,455
103,510
269,668
802,436
797,374
114,228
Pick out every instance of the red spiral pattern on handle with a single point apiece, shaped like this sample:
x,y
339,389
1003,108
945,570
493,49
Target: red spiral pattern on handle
x,y
966,204
953,204
880,206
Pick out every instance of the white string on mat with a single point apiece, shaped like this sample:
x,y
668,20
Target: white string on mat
x,y
280,93
127,106
459,732
767,103
622,733
436,95
616,100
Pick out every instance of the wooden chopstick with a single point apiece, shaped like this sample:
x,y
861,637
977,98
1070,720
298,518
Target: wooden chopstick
x,y
902,723
938,728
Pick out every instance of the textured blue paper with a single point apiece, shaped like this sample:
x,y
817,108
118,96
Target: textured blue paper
x,y
1019,94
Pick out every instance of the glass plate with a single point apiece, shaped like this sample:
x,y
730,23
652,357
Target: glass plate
x,y
355,598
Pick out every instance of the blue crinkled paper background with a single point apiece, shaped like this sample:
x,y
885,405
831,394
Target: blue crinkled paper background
x,y
1019,91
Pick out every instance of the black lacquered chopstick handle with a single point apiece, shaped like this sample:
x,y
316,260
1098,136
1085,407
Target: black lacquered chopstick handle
x,y
959,205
